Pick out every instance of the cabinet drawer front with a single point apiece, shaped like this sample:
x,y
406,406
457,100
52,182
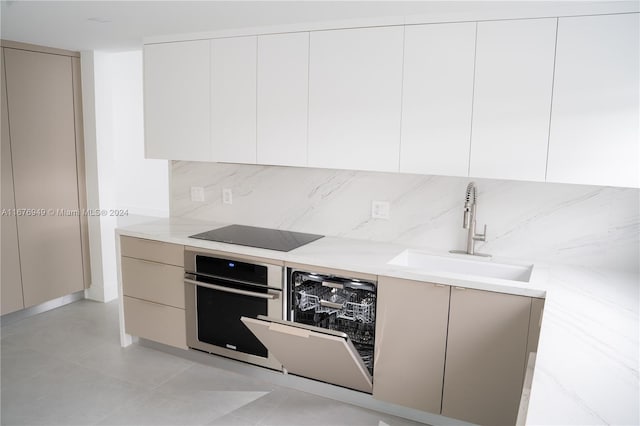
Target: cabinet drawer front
x,y
160,323
152,281
156,251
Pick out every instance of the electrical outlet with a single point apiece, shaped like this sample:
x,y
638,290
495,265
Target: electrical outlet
x,y
380,210
227,196
197,193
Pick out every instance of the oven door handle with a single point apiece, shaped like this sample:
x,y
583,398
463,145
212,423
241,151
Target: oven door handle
x,y
270,296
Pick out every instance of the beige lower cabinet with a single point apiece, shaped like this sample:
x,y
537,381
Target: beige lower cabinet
x,y
153,321
411,335
153,290
151,250
155,282
486,356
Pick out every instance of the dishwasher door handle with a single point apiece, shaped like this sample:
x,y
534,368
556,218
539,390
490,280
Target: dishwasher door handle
x,y
332,305
271,296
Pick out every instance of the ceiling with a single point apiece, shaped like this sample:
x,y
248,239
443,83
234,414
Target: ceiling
x,y
121,25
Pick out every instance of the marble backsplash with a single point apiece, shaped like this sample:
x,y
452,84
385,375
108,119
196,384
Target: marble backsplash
x,y
557,223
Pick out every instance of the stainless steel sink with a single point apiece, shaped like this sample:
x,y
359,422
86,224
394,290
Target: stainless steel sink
x,y
430,263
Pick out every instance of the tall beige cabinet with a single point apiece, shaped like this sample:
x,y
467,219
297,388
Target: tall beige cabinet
x,y
11,296
44,230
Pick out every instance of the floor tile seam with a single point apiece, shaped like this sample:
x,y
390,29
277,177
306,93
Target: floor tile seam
x,y
77,364
44,369
29,377
15,322
39,350
234,374
215,413
4,334
237,418
147,394
176,395
221,414
147,386
73,361
168,392
274,406
176,374
30,347
180,397
30,416
233,377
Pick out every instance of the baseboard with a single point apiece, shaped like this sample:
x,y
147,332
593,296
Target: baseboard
x,y
43,307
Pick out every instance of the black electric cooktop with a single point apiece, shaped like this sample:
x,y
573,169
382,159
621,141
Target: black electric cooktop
x,y
272,239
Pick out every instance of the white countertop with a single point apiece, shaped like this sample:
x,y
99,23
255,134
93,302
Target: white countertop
x,y
338,253
587,363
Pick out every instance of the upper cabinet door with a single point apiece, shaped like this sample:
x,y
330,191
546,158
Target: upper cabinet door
x,y
512,99
437,97
594,128
176,101
233,99
283,98
355,90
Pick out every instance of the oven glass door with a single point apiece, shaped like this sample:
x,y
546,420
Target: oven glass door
x,y
219,309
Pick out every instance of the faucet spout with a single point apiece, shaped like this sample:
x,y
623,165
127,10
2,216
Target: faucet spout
x,y
466,218
469,222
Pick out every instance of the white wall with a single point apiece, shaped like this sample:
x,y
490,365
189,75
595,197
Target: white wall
x,y
118,176
141,185
559,223
99,159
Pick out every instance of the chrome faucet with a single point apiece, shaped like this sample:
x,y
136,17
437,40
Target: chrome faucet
x,y
469,222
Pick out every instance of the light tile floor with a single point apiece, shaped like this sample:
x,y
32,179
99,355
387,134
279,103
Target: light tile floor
x,y
66,367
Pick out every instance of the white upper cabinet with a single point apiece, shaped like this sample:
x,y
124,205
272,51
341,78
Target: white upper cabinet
x,y
594,128
548,99
283,96
512,99
233,99
437,97
176,101
355,91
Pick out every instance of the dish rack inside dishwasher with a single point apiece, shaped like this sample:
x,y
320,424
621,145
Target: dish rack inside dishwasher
x,y
337,303
346,303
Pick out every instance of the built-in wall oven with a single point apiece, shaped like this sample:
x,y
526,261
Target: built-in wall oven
x,y
219,291
330,334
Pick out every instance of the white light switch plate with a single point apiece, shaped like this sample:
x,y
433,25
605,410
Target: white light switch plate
x,y
380,210
227,196
197,193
